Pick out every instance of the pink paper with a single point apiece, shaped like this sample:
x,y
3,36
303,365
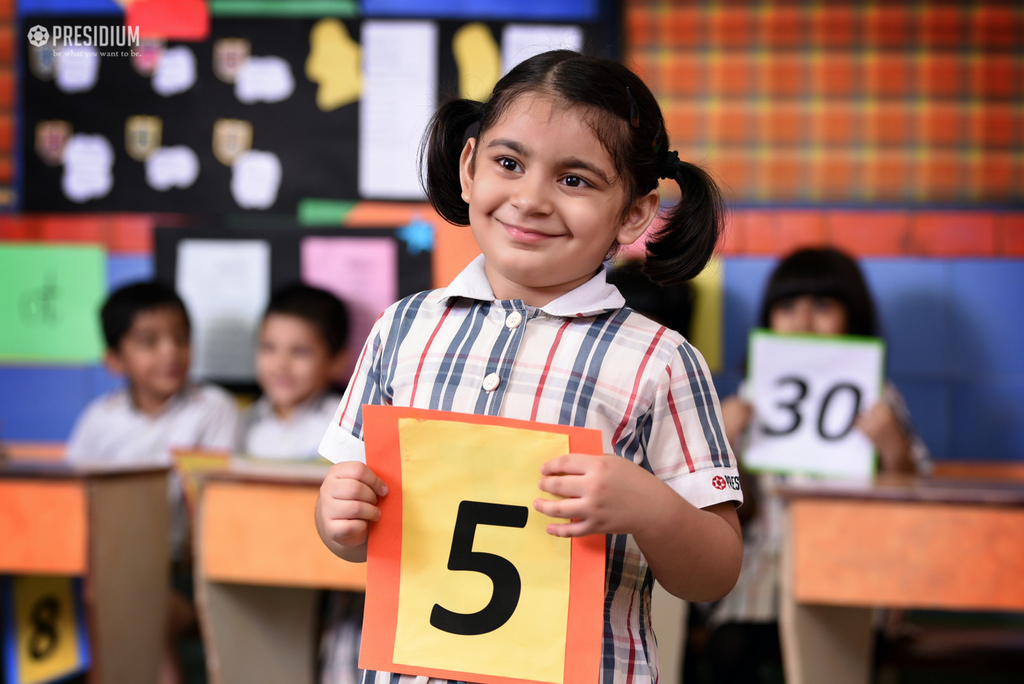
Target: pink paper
x,y
362,272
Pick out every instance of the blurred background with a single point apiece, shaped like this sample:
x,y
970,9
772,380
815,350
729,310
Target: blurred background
x,y
235,143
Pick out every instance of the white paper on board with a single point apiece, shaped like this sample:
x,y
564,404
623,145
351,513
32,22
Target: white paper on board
x,y
77,70
255,179
88,167
399,97
225,285
807,391
264,79
175,72
519,42
169,167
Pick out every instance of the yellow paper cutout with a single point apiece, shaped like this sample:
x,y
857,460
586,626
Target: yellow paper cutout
x,y
706,326
47,628
443,464
478,59
334,64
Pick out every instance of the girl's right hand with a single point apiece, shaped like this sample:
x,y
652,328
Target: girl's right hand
x,y
347,503
736,415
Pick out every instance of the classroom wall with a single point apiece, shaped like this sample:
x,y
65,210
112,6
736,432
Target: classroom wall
x,y
892,131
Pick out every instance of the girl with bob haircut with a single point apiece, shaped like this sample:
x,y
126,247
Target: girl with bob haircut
x,y
819,291
556,170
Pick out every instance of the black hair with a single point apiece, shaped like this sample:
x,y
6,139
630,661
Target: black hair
x,y
321,308
823,272
626,119
124,304
670,305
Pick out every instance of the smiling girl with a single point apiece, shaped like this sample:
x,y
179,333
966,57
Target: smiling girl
x,y
556,170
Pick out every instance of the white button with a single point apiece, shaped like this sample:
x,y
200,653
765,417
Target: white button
x,y
514,319
491,382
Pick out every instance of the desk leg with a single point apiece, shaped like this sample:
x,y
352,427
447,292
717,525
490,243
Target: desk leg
x,y
127,584
668,614
258,634
821,643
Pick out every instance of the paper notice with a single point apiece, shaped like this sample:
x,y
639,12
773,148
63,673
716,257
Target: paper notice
x,y
362,272
172,166
77,70
88,160
520,41
264,79
175,72
225,285
399,97
255,179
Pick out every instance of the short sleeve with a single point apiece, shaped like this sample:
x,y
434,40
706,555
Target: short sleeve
x,y
686,446
343,440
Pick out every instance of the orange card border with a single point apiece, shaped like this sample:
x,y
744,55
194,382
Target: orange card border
x,y
585,627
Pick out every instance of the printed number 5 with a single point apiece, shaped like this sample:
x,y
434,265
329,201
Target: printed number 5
x,y
504,576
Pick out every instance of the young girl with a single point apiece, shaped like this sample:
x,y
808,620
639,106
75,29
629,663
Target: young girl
x,y
552,173
820,291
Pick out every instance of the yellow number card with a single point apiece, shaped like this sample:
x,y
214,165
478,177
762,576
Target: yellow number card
x,y
48,630
463,581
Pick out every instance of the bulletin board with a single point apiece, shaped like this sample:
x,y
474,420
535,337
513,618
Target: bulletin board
x,y
266,111
368,269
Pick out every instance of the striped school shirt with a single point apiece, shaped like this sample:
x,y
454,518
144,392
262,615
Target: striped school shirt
x,y
584,359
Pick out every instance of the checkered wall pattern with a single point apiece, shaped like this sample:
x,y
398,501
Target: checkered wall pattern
x,y
840,102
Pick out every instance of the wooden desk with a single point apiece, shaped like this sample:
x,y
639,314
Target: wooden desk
x,y
259,568
896,542
108,526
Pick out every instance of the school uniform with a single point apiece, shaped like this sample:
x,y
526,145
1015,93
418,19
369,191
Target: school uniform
x,y
112,430
583,359
264,434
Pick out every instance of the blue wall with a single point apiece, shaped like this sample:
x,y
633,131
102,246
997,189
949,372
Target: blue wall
x,y
954,329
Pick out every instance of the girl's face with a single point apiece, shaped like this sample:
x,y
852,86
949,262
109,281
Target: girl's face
x,y
808,314
545,201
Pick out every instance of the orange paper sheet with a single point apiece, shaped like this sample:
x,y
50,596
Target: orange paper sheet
x,y
494,464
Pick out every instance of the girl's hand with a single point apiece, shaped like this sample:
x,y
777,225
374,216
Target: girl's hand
x,y
736,415
604,494
348,501
882,427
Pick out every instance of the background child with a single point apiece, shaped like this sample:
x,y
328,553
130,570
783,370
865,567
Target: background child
x,y
820,291
300,351
147,332
554,171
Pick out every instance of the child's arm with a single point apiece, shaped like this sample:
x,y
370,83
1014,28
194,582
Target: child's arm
x,y
694,553
347,501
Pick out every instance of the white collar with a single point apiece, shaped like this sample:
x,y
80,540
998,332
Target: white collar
x,y
596,296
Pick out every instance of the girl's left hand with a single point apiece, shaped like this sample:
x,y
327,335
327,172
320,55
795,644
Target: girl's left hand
x,y
603,494
882,427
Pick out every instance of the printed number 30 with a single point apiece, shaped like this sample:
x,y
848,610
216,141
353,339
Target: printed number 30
x,y
794,409
504,576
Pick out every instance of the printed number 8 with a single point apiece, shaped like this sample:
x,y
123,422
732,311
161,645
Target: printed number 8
x,y
504,576
794,407
43,640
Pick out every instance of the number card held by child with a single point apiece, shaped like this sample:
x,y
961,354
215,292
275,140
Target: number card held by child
x,y
807,391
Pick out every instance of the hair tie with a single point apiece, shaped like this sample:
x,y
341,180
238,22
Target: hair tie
x,y
668,167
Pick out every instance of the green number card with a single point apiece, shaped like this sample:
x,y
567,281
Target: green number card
x,y
50,297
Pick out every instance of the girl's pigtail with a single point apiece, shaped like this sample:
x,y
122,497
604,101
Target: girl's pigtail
x,y
439,158
682,247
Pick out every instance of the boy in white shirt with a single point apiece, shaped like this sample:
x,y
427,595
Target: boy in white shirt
x,y
147,332
299,354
